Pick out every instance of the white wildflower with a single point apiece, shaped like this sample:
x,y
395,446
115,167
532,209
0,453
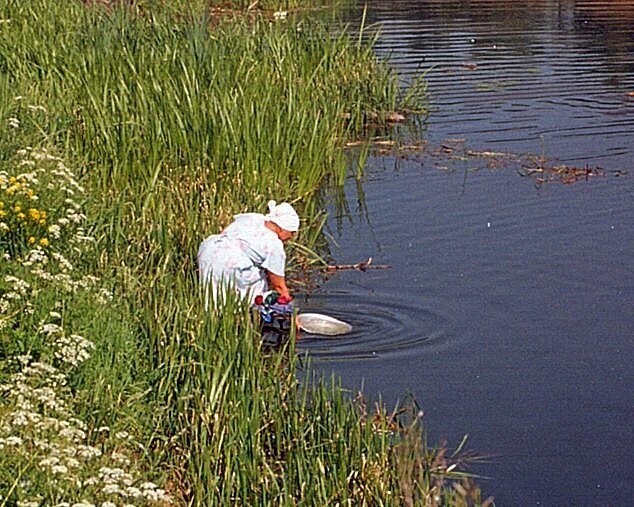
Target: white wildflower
x,y
73,216
65,264
43,154
55,231
91,481
88,452
133,492
34,257
20,286
104,296
14,122
14,441
112,489
75,205
46,396
79,423
72,463
19,419
72,434
24,359
59,469
109,475
43,368
28,308
50,329
73,349
64,281
152,492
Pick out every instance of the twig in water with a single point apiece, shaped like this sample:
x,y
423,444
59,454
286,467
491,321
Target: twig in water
x,y
359,266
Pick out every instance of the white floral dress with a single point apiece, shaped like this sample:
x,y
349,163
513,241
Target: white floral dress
x,y
239,257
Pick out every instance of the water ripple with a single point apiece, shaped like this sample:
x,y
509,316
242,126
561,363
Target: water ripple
x,y
492,68
380,327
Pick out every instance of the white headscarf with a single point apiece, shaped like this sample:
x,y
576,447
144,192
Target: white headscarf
x,y
283,215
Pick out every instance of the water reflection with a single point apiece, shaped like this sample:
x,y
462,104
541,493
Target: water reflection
x,y
507,312
508,308
550,77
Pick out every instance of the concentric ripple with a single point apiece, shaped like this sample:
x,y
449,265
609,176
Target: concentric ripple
x,y
381,327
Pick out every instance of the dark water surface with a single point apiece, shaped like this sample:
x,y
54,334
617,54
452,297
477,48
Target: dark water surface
x,y
508,310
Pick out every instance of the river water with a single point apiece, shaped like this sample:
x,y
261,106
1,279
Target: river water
x,y
507,310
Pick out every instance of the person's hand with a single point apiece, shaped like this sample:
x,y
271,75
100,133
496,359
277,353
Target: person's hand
x,y
284,300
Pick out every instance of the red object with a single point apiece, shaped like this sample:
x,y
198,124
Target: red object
x,y
284,300
259,300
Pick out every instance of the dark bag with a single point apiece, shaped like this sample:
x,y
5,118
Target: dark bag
x,y
275,319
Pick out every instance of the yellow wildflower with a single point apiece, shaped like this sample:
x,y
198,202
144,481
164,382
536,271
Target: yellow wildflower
x,y
17,208
34,214
3,213
44,242
31,240
21,216
42,221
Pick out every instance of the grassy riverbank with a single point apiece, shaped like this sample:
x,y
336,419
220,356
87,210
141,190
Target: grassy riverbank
x,y
126,136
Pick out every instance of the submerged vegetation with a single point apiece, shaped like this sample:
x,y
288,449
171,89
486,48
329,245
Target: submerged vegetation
x,y
126,136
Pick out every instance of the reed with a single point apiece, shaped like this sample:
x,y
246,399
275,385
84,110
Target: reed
x,y
175,124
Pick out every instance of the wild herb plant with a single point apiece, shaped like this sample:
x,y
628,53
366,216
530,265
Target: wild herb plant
x,y
51,308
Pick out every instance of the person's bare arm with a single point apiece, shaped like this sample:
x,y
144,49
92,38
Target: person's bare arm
x,y
278,283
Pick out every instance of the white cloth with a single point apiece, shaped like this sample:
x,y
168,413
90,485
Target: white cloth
x,y
283,215
239,257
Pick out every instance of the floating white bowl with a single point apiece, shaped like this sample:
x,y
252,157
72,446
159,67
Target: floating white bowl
x,y
316,323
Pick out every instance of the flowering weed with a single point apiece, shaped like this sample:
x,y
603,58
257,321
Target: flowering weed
x,y
51,455
38,202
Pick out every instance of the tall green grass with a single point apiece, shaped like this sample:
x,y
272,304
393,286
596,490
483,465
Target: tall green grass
x,y
177,123
234,113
